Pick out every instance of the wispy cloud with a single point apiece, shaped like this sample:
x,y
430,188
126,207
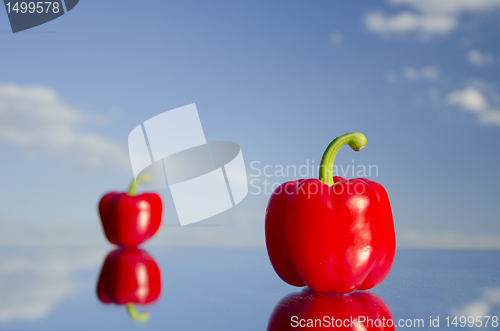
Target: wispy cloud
x,y
448,6
447,240
20,232
472,100
486,305
405,22
428,73
36,118
336,38
478,58
33,281
426,17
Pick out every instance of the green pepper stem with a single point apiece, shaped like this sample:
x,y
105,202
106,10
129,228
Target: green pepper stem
x,y
355,139
141,317
133,185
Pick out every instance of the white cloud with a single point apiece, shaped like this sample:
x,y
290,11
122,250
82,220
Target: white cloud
x,y
36,118
34,281
486,305
429,73
472,100
479,59
490,117
410,73
392,77
448,6
336,38
429,17
447,240
54,233
405,22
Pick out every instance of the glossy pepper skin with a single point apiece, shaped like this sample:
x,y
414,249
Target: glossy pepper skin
x,y
332,234
299,311
129,220
129,276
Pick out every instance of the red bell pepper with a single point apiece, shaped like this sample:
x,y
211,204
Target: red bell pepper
x,y
331,234
129,276
313,311
128,219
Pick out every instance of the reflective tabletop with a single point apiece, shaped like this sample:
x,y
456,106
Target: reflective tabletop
x,y
199,288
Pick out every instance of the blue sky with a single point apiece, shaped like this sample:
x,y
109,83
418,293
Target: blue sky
x,y
419,78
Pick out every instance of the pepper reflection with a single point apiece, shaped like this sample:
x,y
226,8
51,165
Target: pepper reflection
x,y
129,276
308,310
